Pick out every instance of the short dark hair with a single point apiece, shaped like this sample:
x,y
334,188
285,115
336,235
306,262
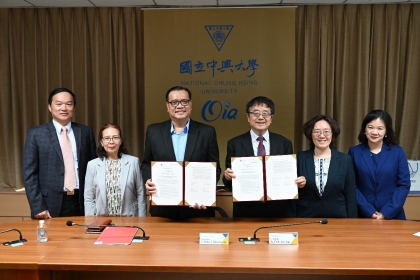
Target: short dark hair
x,y
58,90
390,137
178,88
308,127
100,151
260,100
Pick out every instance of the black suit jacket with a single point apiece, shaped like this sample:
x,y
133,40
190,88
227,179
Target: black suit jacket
x,y
339,197
43,166
241,146
201,147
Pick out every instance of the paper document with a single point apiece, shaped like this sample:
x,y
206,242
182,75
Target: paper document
x,y
168,179
264,178
280,174
184,183
249,182
200,183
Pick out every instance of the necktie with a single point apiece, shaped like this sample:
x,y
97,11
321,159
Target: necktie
x,y
261,148
69,173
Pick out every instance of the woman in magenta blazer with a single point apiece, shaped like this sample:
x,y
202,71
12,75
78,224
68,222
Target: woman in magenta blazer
x,y
381,167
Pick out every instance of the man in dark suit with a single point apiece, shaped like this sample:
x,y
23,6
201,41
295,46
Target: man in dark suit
x,y
179,139
43,164
260,112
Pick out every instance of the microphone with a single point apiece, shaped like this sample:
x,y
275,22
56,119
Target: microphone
x,y
144,237
243,239
70,223
21,240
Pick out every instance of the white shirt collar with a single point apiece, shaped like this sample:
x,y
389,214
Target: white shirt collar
x,y
58,126
254,136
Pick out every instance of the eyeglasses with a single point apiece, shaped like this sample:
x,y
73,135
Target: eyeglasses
x,y
114,139
319,132
379,128
257,114
184,102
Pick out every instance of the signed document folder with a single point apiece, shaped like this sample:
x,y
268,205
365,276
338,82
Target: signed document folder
x,y
116,236
184,183
264,178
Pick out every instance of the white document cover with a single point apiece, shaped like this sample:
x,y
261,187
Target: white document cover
x,y
280,175
200,183
249,182
168,178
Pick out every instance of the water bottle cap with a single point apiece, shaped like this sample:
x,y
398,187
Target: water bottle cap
x,y
41,221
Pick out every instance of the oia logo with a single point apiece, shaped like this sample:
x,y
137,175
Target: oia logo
x,y
219,34
212,110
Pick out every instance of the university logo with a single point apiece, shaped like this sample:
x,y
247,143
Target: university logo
x,y
219,34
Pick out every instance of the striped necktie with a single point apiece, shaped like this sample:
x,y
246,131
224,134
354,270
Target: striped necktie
x,y
69,173
261,148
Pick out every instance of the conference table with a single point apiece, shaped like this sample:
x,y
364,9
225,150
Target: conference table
x,y
343,248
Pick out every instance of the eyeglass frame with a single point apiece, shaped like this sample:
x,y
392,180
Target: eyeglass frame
x,y
260,114
175,103
114,139
322,132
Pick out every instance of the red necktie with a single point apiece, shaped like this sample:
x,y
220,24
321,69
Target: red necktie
x,y
261,148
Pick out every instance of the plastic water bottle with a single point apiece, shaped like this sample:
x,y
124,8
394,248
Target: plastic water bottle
x,y
42,232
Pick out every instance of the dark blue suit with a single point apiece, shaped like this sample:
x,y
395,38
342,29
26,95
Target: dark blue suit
x,y
339,197
43,166
386,190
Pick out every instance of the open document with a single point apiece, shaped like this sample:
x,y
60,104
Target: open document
x,y
264,178
184,183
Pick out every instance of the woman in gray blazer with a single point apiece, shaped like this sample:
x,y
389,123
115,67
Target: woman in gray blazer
x,y
113,184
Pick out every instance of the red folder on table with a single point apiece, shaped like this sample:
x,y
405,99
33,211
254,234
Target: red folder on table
x,y
116,236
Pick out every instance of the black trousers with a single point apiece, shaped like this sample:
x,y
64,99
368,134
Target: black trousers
x,y
71,205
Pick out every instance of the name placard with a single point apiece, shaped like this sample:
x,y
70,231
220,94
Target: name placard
x,y
207,238
283,238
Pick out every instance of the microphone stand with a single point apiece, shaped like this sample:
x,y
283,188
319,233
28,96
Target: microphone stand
x,y
144,237
255,239
21,240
